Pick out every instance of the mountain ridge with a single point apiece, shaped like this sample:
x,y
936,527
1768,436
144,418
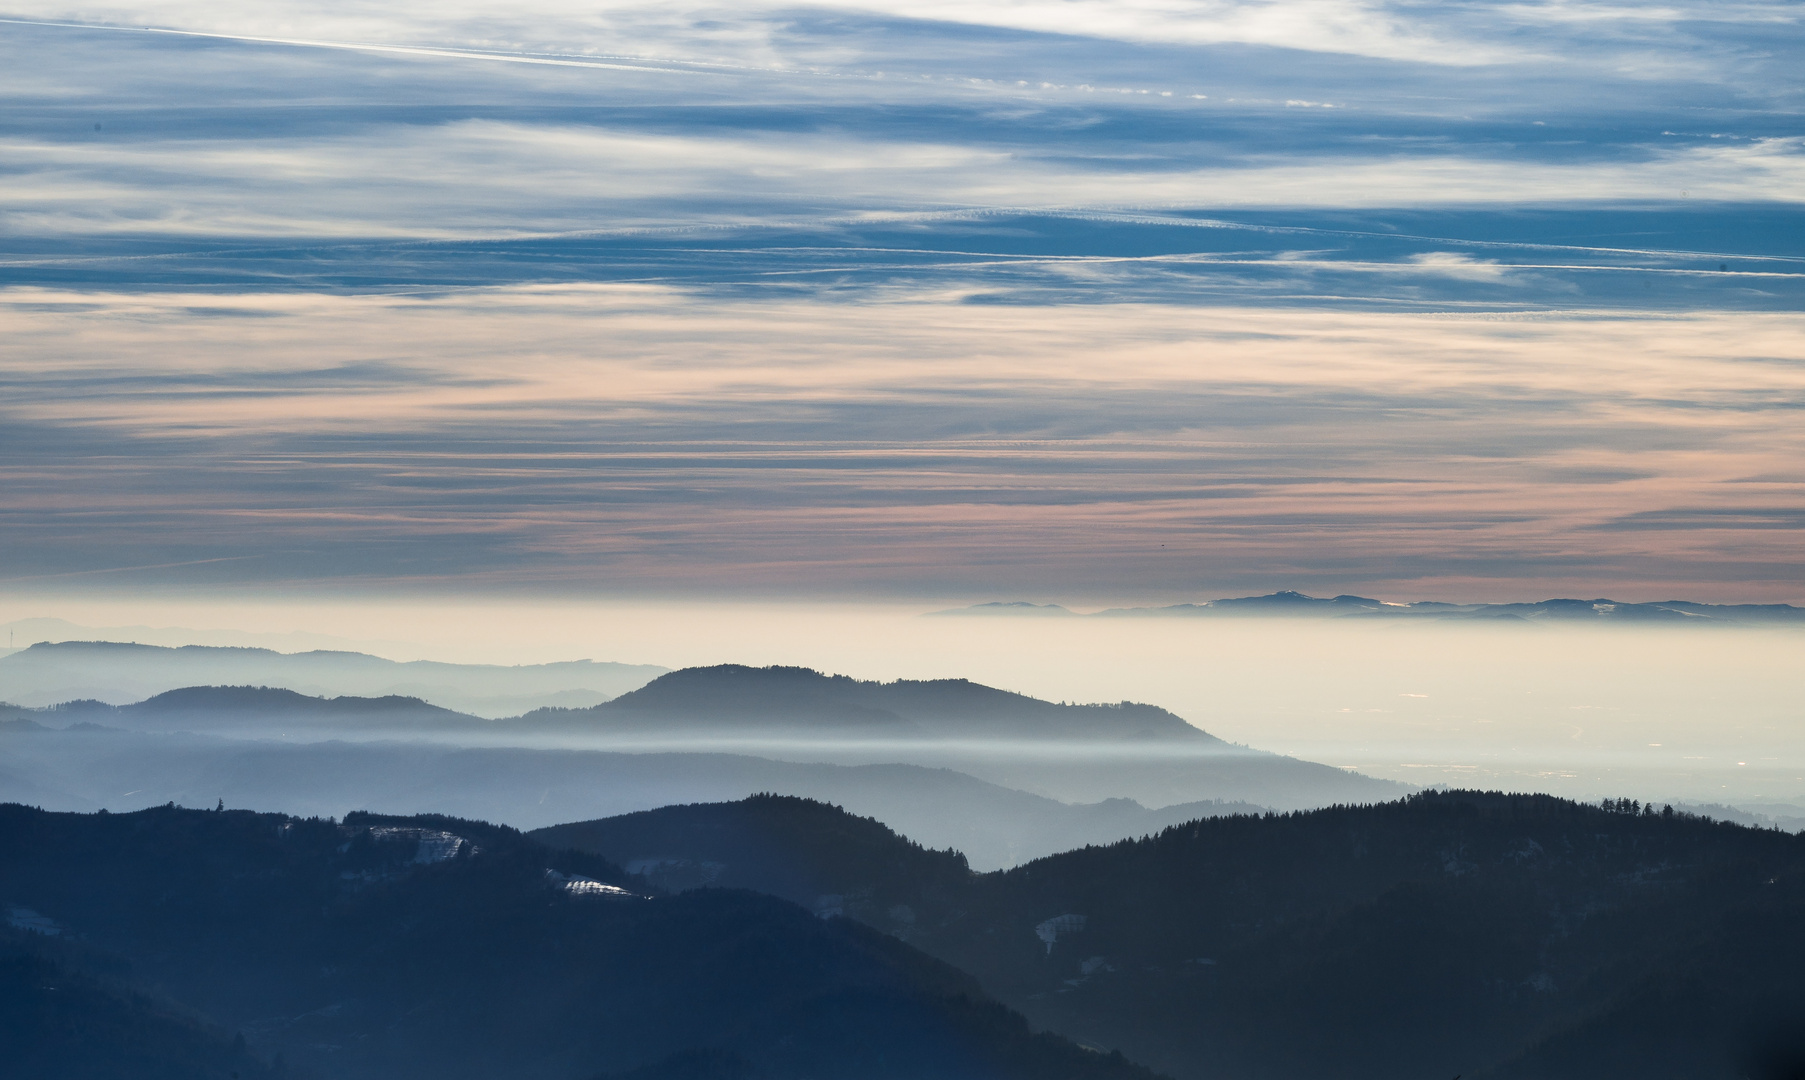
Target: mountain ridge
x,y
46,673
726,696
401,947
1481,933
1075,754
1288,602
721,698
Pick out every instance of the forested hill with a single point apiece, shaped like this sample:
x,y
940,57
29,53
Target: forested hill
x,y
806,851
400,948
732,696
58,1022
1481,934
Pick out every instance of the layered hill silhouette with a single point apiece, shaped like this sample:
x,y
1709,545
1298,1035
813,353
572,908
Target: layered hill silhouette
x,y
1485,935
85,766
121,672
1291,603
436,947
1076,753
727,699
732,698
1072,753
263,710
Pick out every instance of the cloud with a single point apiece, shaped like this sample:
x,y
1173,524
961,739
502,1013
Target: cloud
x,y
1459,265
483,177
757,33
180,136
638,440
896,301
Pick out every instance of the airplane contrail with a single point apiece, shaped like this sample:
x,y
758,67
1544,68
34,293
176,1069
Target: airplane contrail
x,y
618,63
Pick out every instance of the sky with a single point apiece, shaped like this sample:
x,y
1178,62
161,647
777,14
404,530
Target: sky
x,y
1089,301
676,333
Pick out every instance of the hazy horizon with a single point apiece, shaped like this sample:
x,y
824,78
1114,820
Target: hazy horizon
x,y
1665,712
686,334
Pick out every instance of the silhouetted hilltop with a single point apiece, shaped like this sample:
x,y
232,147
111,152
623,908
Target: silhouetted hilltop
x,y
432,947
732,696
68,763
1288,600
1291,603
805,851
260,709
1463,932
1115,761
728,698
1448,933
50,672
274,701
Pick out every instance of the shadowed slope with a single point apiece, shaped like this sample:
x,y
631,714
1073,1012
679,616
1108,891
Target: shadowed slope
x,y
433,947
1490,935
805,851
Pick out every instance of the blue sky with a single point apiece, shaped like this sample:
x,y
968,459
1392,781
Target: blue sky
x,y
1082,300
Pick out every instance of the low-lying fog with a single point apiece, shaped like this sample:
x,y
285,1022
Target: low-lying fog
x,y
1706,714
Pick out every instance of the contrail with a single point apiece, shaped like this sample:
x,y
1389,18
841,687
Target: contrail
x,y
617,63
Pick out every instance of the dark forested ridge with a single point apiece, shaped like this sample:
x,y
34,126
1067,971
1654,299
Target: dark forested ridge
x,y
806,851
58,1020
434,947
1507,936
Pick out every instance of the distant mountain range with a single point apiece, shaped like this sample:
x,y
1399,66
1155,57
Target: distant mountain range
x,y
695,703
1072,753
50,672
731,698
261,711
1287,603
1509,937
724,700
1002,776
203,945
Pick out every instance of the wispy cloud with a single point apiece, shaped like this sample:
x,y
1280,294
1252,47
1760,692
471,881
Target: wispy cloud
x,y
996,293
656,444
1446,34
483,177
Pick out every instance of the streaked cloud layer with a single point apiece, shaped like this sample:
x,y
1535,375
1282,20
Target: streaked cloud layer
x,y
632,440
1082,300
